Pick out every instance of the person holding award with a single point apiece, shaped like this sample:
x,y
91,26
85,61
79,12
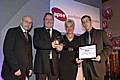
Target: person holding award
x,y
45,41
68,65
94,68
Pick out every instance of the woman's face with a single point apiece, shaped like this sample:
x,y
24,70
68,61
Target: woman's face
x,y
70,30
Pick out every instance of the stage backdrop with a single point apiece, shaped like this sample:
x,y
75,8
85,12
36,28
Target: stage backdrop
x,y
12,12
70,9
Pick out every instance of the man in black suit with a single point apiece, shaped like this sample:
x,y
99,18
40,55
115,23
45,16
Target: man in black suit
x,y
46,58
94,69
17,51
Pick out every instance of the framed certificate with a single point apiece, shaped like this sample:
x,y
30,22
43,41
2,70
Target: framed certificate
x,y
87,51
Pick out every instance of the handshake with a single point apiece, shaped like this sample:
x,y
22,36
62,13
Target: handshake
x,y
57,45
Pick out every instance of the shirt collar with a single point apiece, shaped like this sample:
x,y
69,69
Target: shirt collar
x,y
23,29
49,28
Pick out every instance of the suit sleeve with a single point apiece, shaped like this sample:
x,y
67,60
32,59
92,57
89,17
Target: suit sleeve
x,y
107,47
8,50
39,42
30,56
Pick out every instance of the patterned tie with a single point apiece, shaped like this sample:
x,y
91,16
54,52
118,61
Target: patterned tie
x,y
48,30
26,35
89,38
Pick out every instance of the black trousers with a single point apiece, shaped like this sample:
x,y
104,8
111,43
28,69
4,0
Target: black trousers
x,y
12,77
51,73
90,73
44,76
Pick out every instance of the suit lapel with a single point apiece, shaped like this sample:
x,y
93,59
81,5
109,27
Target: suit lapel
x,y
53,33
85,38
95,36
21,33
45,32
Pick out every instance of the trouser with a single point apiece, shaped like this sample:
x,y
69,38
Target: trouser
x,y
11,77
44,76
90,73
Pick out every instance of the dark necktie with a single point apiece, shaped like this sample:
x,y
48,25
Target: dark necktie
x,y
48,30
88,38
26,35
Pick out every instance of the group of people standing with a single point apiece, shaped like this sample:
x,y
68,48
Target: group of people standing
x,y
56,55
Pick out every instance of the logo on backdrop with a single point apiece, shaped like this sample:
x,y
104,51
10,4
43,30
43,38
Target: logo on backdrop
x,y
59,14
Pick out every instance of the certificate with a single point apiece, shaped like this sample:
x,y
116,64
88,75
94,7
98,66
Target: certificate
x,y
88,51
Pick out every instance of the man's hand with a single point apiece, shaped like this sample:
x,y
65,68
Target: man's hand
x,y
98,58
30,72
54,45
78,61
59,47
18,72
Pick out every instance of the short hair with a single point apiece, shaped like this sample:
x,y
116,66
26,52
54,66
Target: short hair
x,y
26,17
69,23
48,13
85,17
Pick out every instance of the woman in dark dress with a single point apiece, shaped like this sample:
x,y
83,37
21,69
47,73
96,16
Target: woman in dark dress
x,y
68,66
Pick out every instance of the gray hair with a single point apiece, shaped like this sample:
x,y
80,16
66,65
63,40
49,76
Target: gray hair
x,y
69,23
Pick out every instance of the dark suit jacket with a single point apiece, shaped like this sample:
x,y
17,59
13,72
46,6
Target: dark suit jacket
x,y
42,44
104,48
17,52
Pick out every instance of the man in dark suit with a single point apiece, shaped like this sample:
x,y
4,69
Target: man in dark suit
x,y
17,51
46,58
94,69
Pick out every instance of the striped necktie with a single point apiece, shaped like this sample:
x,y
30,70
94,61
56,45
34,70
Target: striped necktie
x,y
48,30
26,35
89,39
